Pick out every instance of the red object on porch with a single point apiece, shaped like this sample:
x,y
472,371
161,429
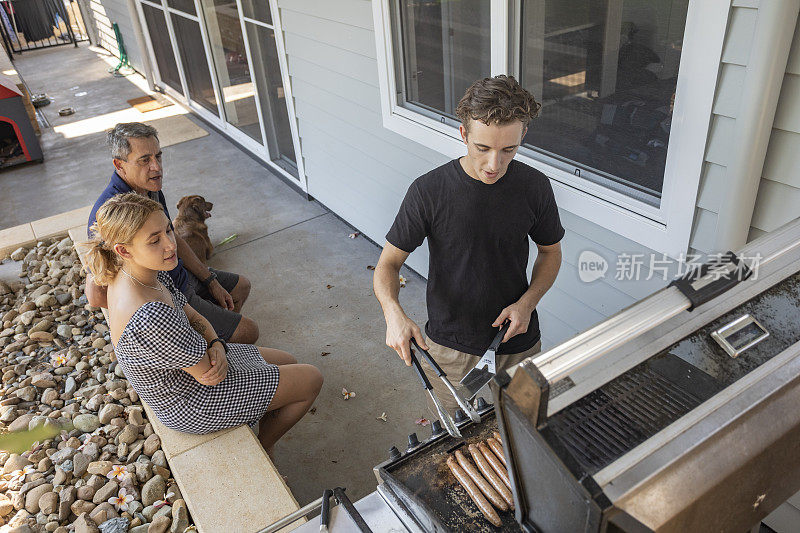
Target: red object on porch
x,y
18,142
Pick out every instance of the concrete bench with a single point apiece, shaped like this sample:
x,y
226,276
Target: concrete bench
x,y
226,478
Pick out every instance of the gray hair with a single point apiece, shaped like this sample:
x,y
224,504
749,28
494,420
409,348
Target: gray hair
x,y
118,137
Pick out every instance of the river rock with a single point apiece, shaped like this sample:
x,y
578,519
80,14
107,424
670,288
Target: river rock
x,y
63,454
80,464
46,300
5,506
109,411
87,423
105,492
103,512
41,336
84,524
129,434
153,490
100,468
115,525
33,495
81,506
15,462
159,525
48,503
21,423
86,492
180,517
151,445
44,380
19,254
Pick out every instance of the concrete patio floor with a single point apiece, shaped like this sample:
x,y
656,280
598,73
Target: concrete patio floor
x,y
290,248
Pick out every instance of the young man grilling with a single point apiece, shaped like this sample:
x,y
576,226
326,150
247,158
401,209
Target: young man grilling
x,y
477,213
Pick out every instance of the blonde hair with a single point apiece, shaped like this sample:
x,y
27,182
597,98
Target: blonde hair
x,y
117,221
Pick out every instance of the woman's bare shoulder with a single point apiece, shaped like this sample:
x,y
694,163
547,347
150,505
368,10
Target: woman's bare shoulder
x,y
123,302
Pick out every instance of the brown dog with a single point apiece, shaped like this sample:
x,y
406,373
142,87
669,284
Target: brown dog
x,y
191,226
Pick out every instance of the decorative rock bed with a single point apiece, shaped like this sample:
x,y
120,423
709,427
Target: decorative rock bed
x,y
106,471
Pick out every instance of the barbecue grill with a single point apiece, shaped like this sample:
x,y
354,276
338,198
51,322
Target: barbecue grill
x,y
679,413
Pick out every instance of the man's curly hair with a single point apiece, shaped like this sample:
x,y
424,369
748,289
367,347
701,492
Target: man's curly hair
x,y
498,100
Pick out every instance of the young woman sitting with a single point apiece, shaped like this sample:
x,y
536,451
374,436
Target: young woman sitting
x,y
171,355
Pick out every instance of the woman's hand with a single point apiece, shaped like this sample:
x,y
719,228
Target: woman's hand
x,y
219,366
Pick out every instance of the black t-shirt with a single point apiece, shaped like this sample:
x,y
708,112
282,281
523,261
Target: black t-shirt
x,y
478,240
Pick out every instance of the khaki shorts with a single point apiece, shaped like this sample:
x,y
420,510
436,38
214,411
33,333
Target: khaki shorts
x,y
457,365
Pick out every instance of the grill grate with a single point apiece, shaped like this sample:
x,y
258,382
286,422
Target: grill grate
x,y
612,420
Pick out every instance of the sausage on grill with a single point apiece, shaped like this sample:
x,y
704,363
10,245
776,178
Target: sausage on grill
x,y
474,493
496,435
486,487
491,475
497,448
495,463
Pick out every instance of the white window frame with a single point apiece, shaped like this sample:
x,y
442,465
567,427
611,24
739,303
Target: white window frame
x,y
664,229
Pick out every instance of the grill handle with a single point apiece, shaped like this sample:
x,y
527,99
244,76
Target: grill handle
x,y
425,381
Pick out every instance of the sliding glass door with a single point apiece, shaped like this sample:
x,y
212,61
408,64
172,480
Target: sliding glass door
x,y
226,60
272,96
234,78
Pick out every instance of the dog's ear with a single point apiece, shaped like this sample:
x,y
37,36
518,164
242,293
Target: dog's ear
x,y
183,201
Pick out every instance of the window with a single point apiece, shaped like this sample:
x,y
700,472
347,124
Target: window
x,y
266,71
627,88
230,59
162,48
193,58
606,74
445,48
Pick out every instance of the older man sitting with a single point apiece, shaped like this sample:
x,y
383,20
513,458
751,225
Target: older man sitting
x,y
215,294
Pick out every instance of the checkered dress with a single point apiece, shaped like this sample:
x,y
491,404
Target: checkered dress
x,y
158,342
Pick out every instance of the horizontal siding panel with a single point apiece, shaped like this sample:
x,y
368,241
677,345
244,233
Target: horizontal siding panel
x,y
704,229
787,114
349,12
600,235
350,64
573,311
362,145
746,3
334,82
776,204
738,41
574,243
334,34
729,90
554,330
330,177
600,296
782,163
351,113
712,187
721,140
388,179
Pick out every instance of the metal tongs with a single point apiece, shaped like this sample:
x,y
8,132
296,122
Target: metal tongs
x,y
444,416
462,402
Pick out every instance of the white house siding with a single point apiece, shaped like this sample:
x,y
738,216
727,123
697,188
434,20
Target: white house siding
x,y
779,191
361,170
103,14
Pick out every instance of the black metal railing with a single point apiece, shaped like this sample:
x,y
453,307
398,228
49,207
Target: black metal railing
x,y
34,24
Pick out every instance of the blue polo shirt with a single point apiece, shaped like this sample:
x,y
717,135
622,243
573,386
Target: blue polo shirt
x,y
118,186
